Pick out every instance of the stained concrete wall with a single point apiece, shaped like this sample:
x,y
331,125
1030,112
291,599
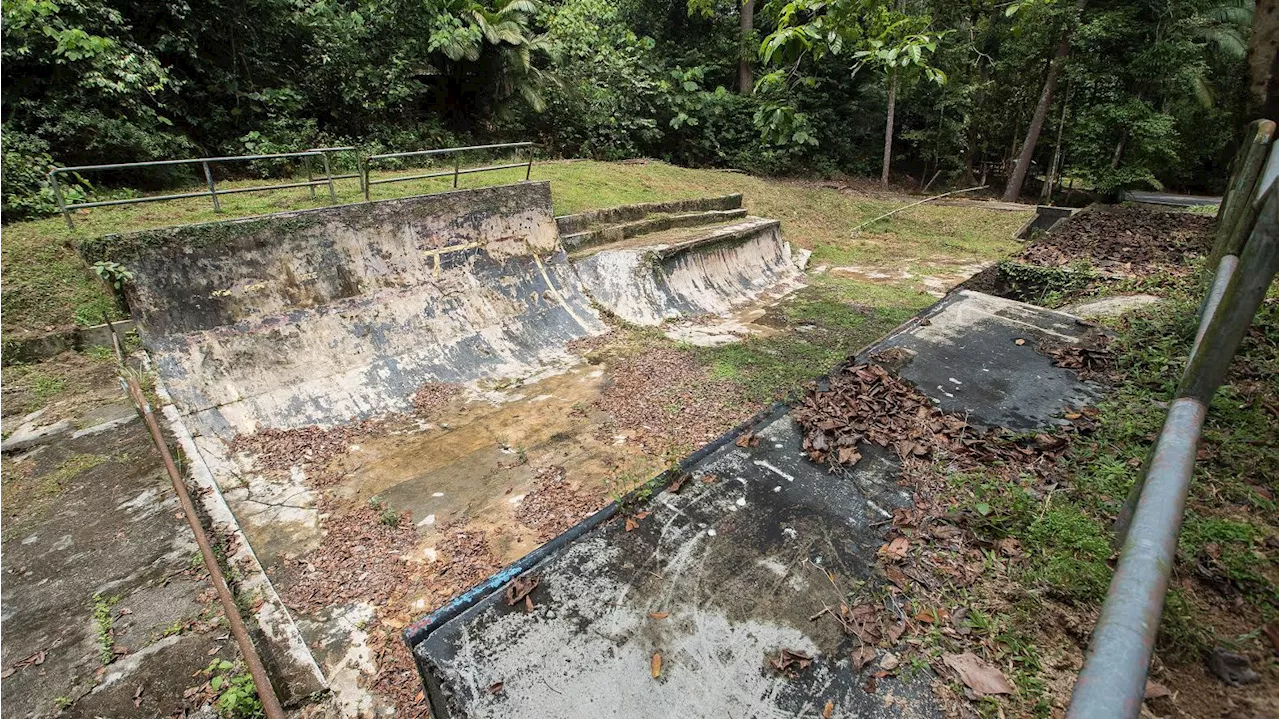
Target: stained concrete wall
x,y
320,316
711,274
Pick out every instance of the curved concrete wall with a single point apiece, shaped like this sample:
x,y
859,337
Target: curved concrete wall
x,y
321,316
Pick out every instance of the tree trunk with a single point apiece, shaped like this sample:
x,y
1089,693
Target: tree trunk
x,y
746,24
1047,194
1261,61
1119,153
1019,174
888,129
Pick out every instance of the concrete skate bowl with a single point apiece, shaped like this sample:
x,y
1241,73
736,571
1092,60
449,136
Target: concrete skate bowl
x,y
315,319
324,315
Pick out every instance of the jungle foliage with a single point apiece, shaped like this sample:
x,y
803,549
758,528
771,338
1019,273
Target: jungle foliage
x,y
1151,94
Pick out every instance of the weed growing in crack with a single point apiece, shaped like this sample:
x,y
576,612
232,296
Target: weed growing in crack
x,y
104,623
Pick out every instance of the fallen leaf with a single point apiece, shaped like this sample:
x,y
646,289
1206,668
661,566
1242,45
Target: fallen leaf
x,y
861,657
641,515
630,524
417,698
1072,415
137,697
896,576
494,688
1155,690
977,674
520,587
528,605
1019,342
828,709
675,486
657,615
7,673
709,478
213,650
889,661
896,549
747,440
928,616
655,665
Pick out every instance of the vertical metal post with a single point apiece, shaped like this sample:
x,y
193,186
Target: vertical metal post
x,y
213,193
457,160
333,195
310,187
366,179
57,193
529,170
360,172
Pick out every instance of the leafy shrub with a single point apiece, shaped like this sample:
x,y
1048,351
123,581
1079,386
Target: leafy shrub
x,y
26,164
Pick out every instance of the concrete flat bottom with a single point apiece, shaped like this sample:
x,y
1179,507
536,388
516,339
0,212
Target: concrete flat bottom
x,y
723,575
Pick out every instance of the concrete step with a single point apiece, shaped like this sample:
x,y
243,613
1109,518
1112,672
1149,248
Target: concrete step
x,y
583,221
648,225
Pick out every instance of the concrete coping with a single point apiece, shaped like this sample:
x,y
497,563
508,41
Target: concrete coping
x,y
569,224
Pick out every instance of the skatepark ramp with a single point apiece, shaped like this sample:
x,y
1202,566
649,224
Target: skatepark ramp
x,y
319,316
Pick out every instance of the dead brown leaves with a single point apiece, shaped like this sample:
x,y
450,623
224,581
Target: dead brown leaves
x,y
865,404
979,676
311,448
663,398
553,505
791,662
519,590
432,397
1125,241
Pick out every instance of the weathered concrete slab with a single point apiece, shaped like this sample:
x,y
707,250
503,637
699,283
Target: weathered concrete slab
x,y
738,565
713,271
723,574
977,356
326,315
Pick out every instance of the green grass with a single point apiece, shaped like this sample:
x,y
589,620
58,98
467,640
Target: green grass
x,y
46,285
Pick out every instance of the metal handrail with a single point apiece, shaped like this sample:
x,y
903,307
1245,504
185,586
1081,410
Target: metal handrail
x,y
211,193
457,170
362,172
1112,682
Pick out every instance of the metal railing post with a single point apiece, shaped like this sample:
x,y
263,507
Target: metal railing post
x,y
62,204
213,193
333,194
360,173
310,187
1113,678
367,161
457,164
529,170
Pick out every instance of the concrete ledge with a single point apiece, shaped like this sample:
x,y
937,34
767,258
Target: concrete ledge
x,y
1046,218
572,224
617,233
38,346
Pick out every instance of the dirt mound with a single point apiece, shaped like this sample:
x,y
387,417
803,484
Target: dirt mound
x,y
1130,237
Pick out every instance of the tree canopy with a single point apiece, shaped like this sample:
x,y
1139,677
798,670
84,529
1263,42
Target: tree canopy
x,y
1148,93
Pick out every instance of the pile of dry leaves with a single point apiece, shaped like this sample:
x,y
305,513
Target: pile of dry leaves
x,y
662,398
361,558
553,505
432,397
1127,240
277,451
865,404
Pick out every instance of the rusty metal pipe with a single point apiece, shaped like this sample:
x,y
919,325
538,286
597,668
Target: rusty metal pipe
x,y
1114,677
266,693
